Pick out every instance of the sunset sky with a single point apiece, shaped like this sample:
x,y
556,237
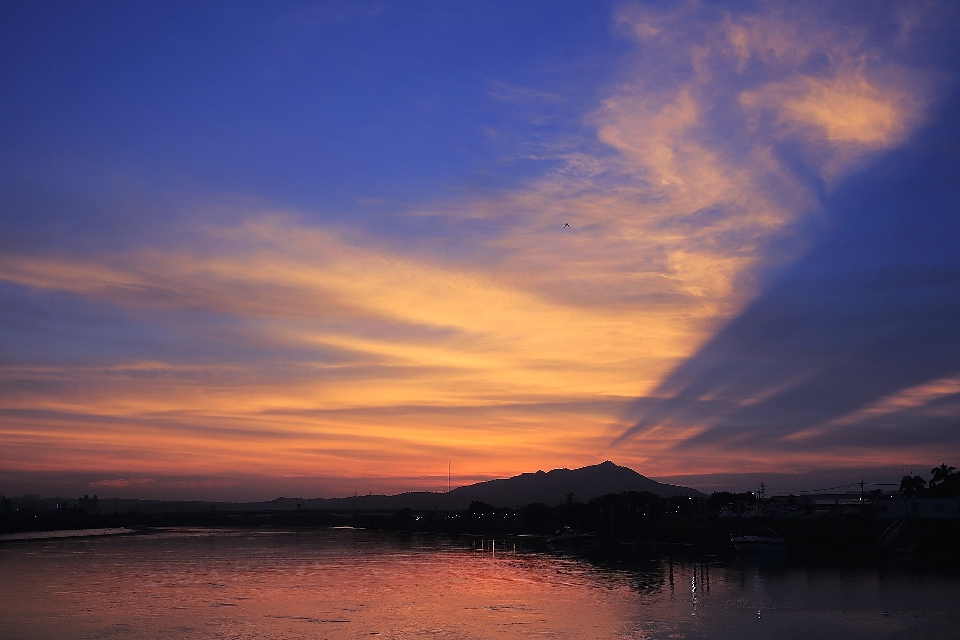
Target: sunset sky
x,y
262,249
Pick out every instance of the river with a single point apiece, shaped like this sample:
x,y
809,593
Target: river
x,y
346,583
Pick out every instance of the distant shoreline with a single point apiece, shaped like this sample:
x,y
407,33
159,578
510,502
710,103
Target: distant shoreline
x,y
64,533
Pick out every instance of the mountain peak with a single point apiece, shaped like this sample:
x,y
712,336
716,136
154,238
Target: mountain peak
x,y
554,486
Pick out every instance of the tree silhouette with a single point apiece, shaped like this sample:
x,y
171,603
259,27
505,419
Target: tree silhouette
x,y
945,482
941,473
910,486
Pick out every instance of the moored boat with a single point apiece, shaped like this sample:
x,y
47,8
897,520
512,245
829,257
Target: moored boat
x,y
568,535
762,540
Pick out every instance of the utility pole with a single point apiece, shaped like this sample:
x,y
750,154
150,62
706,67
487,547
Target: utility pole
x,y
448,477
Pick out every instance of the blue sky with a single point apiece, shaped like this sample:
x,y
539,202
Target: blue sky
x,y
249,249
315,106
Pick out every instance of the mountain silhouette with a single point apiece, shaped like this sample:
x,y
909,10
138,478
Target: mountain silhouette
x,y
552,487
548,487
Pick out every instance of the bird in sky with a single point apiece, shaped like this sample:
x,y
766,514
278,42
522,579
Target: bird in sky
x,y
566,226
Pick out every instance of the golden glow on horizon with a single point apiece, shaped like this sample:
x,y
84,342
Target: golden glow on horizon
x,y
518,352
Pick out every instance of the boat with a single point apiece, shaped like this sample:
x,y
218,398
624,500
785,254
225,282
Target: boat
x,y
568,535
762,540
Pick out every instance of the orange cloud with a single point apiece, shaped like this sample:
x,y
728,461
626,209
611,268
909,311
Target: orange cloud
x,y
508,351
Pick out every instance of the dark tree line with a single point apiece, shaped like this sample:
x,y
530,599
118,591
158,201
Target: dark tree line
x,y
944,483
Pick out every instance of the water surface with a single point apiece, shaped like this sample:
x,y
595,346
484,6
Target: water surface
x,y
343,583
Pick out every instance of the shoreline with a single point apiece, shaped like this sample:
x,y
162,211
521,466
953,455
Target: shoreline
x,y
55,534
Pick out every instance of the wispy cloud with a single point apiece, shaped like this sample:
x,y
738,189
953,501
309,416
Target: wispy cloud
x,y
502,337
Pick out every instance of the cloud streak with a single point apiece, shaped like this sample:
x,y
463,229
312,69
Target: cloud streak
x,y
850,353
712,193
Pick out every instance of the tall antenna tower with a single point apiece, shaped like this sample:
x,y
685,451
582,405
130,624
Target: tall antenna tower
x,y
448,477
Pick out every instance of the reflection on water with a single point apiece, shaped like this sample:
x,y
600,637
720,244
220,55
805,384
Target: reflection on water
x,y
347,584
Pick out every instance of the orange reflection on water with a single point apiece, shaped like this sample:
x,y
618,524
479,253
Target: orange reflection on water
x,y
334,584
345,583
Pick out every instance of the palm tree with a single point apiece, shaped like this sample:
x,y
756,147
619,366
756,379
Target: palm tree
x,y
910,486
941,473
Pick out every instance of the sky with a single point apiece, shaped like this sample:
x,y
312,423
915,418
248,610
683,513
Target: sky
x,y
318,249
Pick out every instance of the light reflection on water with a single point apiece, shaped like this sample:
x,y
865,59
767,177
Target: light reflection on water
x,y
347,584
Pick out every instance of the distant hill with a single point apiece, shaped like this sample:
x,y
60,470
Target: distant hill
x,y
552,487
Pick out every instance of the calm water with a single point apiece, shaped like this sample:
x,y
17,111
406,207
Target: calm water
x,y
351,584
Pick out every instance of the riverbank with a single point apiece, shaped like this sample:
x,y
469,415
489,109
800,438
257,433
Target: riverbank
x,y
617,524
